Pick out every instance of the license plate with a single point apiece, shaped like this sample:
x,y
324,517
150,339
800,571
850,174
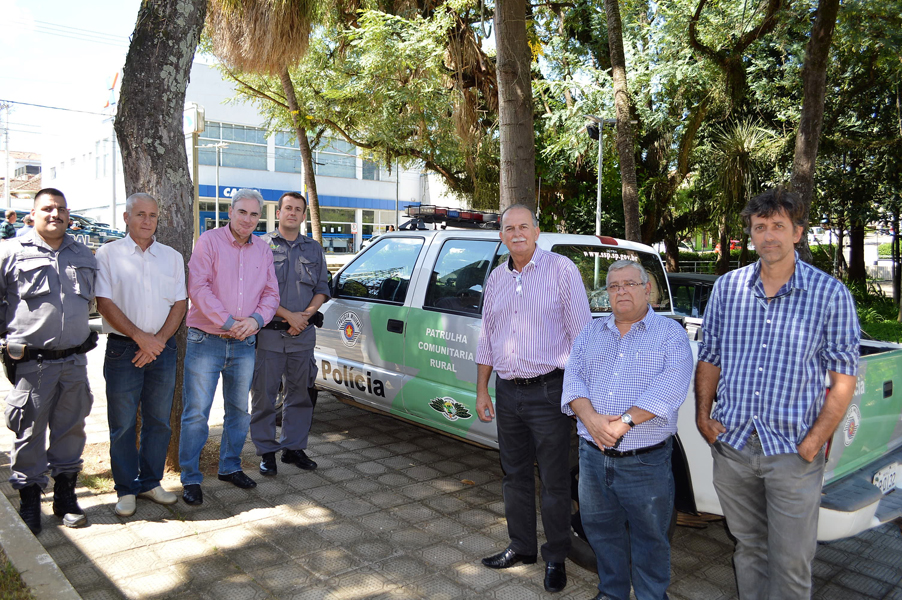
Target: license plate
x,y
887,478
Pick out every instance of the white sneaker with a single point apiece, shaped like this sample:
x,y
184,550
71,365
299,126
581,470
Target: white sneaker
x,y
126,505
159,495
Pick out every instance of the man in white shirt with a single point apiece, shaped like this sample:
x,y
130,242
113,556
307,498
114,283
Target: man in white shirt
x,y
142,297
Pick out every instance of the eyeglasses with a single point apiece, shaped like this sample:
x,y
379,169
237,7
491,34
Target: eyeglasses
x,y
626,285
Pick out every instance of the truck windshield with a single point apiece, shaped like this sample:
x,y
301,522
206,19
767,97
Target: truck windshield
x,y
593,263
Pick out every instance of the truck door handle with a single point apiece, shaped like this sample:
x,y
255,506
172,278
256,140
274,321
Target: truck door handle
x,y
887,388
395,326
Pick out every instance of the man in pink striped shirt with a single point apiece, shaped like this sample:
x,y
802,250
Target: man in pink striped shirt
x,y
233,290
535,306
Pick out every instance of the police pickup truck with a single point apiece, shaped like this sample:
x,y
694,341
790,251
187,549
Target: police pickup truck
x,y
400,336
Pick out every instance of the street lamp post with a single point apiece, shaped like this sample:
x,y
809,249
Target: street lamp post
x,y
596,132
219,148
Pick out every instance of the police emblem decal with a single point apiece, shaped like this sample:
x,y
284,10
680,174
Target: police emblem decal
x,y
850,428
450,408
350,326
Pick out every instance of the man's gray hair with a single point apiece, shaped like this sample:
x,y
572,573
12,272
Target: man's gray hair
x,y
626,264
535,220
130,201
248,194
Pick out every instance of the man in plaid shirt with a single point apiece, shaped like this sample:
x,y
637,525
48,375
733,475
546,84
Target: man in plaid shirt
x,y
625,380
773,332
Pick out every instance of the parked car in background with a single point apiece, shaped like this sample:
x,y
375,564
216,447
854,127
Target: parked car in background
x,y
690,292
92,233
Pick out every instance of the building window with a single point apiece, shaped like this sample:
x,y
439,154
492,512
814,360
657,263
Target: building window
x,y
334,158
246,146
52,172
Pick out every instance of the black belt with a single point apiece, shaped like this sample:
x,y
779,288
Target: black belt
x,y
121,338
552,376
618,454
278,325
40,354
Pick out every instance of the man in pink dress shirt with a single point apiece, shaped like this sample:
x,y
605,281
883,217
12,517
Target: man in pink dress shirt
x,y
233,290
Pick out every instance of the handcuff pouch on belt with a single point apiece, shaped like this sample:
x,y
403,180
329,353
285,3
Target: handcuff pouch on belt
x,y
13,353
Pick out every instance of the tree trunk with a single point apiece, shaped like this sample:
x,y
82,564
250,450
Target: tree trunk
x,y
744,254
672,250
625,150
723,261
857,271
897,259
149,127
306,155
515,109
814,82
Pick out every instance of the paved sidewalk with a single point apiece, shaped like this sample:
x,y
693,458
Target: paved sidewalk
x,y
393,511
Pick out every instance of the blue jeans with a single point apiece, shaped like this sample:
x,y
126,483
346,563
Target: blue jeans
x,y
127,387
634,490
206,357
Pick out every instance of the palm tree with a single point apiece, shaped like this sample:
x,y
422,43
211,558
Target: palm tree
x,y
739,151
268,37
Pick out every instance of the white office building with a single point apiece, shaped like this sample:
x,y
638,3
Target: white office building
x,y
357,198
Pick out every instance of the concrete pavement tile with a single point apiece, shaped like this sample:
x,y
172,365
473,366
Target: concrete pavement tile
x,y
342,532
397,460
894,594
338,474
229,496
414,513
319,592
875,570
359,583
868,586
382,440
477,518
203,519
496,507
443,554
836,592
401,568
293,502
184,549
304,480
371,467
360,486
832,555
326,494
67,555
379,522
412,537
448,485
447,504
50,536
152,532
723,576
257,555
130,563
329,562
474,576
314,515
201,571
705,546
102,594
372,453
395,480
516,590
427,457
159,584
420,473
253,511
299,542
442,526
228,539
477,545
476,496
282,579
109,542
481,477
419,491
323,463
371,549
235,587
493,485
698,588
352,507
388,499
355,443
272,487
84,574
438,587
497,531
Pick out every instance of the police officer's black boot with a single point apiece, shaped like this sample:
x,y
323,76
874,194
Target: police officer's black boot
x,y
30,507
65,504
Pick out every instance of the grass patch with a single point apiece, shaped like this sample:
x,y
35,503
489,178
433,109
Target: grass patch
x,y
11,585
96,473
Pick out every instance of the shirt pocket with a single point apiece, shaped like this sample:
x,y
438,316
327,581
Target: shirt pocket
x,y
280,263
166,285
81,274
648,363
33,277
305,269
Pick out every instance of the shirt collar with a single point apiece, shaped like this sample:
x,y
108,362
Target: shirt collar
x,y
34,239
228,232
799,280
133,245
644,322
534,261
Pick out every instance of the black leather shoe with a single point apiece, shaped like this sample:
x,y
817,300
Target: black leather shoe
x,y
555,577
239,479
268,464
298,458
508,558
602,596
192,494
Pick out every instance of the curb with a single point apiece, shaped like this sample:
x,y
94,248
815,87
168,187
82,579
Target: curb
x,y
38,569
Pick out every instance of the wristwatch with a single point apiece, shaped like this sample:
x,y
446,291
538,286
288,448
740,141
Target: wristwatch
x,y
628,419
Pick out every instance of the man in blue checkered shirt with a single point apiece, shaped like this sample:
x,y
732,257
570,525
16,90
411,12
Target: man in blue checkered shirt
x,y
626,378
773,333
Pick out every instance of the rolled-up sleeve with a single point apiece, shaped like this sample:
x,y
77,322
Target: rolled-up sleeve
x,y
269,299
842,344
575,384
666,392
712,325
103,284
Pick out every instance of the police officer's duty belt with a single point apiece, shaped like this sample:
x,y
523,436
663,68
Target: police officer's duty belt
x,y
22,353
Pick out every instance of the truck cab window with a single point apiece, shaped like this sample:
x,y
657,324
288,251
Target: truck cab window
x,y
382,272
458,279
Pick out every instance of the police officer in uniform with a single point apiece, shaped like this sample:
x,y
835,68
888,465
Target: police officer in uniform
x,y
46,286
285,345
